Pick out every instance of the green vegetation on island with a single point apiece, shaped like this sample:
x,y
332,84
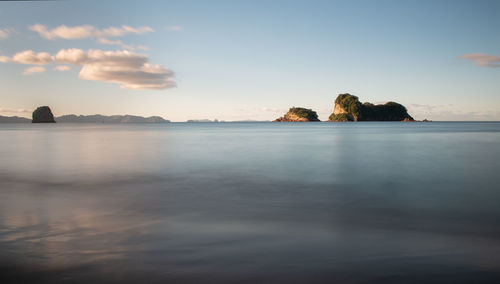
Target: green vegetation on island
x,y
349,108
299,114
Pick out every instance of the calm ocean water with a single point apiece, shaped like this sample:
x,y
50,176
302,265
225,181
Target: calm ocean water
x,y
250,202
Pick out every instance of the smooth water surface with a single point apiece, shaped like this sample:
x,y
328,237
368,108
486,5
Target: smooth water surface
x,y
250,202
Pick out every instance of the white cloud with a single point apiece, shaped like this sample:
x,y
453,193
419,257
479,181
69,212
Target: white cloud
x,y
64,32
127,68
118,32
30,57
483,60
131,70
62,68
88,31
73,56
34,70
4,59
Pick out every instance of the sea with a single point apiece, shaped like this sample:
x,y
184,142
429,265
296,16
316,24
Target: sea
x,y
366,202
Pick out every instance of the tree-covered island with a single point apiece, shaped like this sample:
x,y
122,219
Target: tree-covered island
x,y
349,108
299,114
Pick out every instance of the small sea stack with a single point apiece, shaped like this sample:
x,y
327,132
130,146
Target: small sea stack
x,y
299,114
43,114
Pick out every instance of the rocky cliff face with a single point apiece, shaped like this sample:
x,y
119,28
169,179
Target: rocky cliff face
x,y
43,114
338,109
349,108
298,114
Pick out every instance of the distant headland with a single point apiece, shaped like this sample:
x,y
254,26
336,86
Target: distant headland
x,y
97,118
44,115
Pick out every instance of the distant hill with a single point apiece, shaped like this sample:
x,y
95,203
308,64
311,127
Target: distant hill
x,y
14,119
97,118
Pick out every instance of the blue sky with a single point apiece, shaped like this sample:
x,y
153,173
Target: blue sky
x,y
235,60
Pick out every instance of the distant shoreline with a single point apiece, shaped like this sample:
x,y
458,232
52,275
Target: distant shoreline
x,y
24,120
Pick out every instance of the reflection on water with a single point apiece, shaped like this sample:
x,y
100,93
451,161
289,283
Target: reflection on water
x,y
244,202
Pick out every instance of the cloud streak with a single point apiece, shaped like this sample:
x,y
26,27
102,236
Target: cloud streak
x,y
174,28
4,33
14,111
86,31
451,112
62,68
90,32
129,69
482,60
34,70
31,57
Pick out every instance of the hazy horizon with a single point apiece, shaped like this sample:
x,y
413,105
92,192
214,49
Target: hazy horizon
x,y
239,60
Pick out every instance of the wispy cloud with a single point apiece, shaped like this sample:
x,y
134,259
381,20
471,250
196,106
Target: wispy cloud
x,y
483,60
273,110
174,28
90,32
129,69
34,70
31,57
450,112
86,31
115,42
8,111
5,33
62,68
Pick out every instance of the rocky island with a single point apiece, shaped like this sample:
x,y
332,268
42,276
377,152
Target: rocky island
x,y
298,114
43,114
349,108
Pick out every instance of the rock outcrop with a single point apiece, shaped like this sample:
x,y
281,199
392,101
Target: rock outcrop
x,y
43,114
298,114
349,108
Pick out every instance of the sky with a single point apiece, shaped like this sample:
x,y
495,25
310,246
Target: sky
x,y
239,60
